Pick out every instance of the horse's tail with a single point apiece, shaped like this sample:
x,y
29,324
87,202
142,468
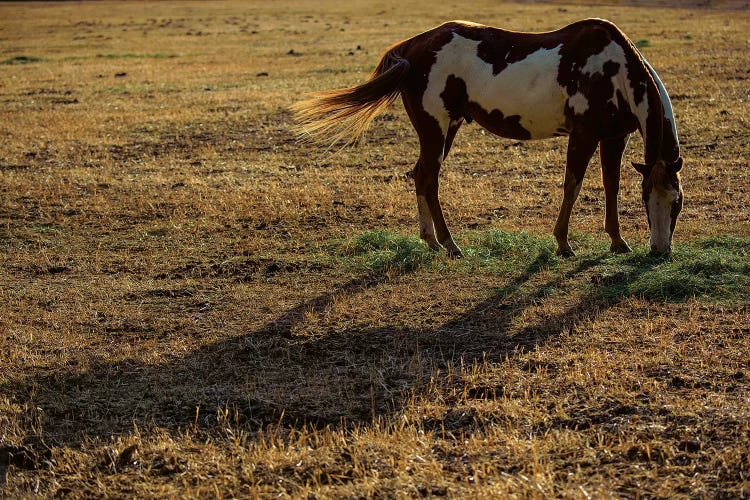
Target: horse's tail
x,y
342,115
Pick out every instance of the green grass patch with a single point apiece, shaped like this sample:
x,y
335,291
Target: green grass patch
x,y
716,269
495,251
384,251
506,252
21,60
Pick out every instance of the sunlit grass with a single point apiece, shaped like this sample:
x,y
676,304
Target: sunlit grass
x,y
385,251
715,269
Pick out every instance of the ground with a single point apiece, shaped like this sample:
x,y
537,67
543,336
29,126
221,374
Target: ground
x,y
196,303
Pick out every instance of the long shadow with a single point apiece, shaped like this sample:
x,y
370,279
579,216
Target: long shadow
x,y
270,376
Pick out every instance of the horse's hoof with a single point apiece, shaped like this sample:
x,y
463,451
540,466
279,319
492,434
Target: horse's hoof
x,y
454,252
566,253
620,247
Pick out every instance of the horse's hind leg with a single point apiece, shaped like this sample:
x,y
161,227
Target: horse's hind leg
x,y
433,228
433,147
441,228
426,226
610,152
443,234
581,147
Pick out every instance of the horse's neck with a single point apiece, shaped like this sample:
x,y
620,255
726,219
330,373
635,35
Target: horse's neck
x,y
660,131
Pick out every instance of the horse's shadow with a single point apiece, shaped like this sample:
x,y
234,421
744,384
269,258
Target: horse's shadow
x,y
271,376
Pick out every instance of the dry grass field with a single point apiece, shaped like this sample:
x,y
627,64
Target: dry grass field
x,y
193,303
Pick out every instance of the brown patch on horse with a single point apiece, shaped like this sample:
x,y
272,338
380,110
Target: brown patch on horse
x,y
576,51
608,118
662,175
591,41
506,52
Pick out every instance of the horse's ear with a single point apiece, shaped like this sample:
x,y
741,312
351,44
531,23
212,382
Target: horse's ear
x,y
677,165
644,170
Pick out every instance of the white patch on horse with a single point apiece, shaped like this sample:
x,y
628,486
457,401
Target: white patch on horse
x,y
578,103
595,64
620,81
660,214
527,88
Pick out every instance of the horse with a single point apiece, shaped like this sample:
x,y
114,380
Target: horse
x,y
586,81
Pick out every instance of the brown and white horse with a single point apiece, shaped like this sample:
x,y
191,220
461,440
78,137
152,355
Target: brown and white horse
x,y
586,81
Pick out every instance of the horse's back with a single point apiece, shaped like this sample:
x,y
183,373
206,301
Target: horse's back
x,y
522,85
505,81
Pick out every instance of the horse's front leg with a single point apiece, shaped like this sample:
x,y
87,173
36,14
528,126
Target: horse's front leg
x,y
581,148
610,152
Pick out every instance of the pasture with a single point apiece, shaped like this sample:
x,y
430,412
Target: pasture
x,y
194,303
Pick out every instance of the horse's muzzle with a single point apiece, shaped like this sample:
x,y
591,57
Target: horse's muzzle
x,y
664,251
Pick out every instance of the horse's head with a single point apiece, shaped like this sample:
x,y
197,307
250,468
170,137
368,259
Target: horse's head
x,y
662,195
